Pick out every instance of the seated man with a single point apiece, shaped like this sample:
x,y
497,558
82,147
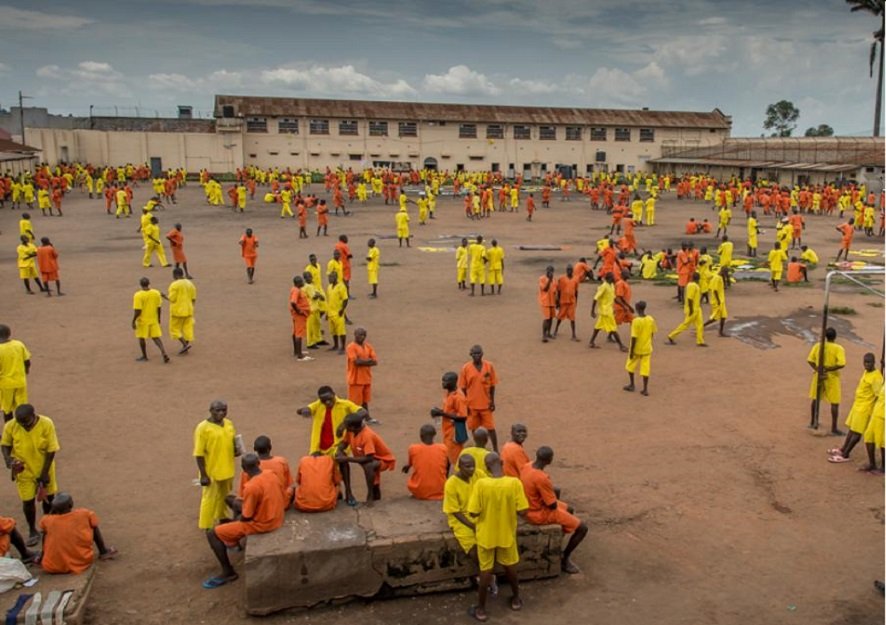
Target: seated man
x,y
68,534
691,226
546,509
369,451
316,483
430,466
261,512
10,535
797,271
513,456
808,255
705,227
278,465
478,452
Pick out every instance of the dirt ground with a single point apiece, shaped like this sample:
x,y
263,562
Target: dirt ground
x,y
709,502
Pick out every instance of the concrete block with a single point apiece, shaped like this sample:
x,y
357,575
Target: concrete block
x,y
80,585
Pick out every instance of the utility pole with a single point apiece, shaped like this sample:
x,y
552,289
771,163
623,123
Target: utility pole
x,y
21,114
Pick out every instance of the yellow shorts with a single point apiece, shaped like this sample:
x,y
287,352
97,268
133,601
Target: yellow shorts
x,y
26,484
478,275
373,276
506,556
606,323
830,391
12,398
495,277
27,272
466,537
645,362
859,418
182,327
151,330
776,275
336,324
461,273
874,432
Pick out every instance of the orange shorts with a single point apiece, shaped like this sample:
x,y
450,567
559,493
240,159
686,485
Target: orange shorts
x,y
250,261
232,533
178,256
480,419
568,521
49,277
547,312
845,243
299,326
360,393
453,449
567,311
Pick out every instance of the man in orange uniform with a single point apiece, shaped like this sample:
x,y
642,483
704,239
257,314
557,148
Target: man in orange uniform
x,y
454,415
685,268
47,260
848,231
624,312
513,456
477,381
567,297
68,534
262,512
300,310
177,245
798,224
429,463
361,359
369,451
547,299
11,536
346,256
545,508
316,483
278,465
249,252
322,218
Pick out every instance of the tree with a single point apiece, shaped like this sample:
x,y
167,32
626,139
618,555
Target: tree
x,y
823,130
877,8
782,118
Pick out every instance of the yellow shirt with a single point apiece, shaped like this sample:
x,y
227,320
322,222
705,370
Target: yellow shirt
x,y
31,446
181,294
809,256
13,355
834,356
776,259
372,259
26,255
402,220
340,409
648,267
693,294
478,254
752,228
25,228
605,298
151,232
145,221
866,392
461,257
336,296
214,442
642,329
725,252
495,502
456,495
149,303
314,270
121,198
495,255
336,266
479,456
718,290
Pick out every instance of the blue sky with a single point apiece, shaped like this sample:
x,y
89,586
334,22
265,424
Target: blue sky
x,y
677,55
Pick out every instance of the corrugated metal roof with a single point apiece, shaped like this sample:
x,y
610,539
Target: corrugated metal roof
x,y
6,145
249,106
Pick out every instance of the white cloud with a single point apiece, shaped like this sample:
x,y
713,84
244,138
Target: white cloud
x,y
460,80
87,76
532,86
177,82
345,79
712,21
613,86
694,54
95,67
49,71
651,74
12,18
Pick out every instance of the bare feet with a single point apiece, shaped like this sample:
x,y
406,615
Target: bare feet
x,y
629,388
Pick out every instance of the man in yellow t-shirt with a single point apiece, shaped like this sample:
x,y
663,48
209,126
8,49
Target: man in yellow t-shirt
x,y
691,313
181,294
336,303
874,436
214,452
753,231
15,364
643,327
26,261
402,221
862,408
122,200
495,255
372,256
776,259
478,452
456,495
146,318
495,503
328,413
477,252
315,296
335,265
834,360
461,265
151,235
603,311
808,255
29,444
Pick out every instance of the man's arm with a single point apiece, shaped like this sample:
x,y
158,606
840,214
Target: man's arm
x,y
201,467
463,519
47,464
135,315
492,398
28,366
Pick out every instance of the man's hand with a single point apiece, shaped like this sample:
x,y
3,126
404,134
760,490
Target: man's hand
x,y
205,481
436,412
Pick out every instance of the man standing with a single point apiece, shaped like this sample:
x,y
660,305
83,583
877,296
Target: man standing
x,y
249,252
717,289
847,231
177,245
314,329
862,407
478,265
151,235
361,360
461,264
146,318
47,261
547,300
643,327
336,303
833,361
454,414
29,444
327,413
496,257
402,221
776,259
346,256
567,298
182,295
26,261
691,313
372,255
605,297
214,451
15,364
300,310
477,381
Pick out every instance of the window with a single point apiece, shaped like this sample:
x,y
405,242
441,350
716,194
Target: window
x,y
522,132
467,131
378,129
475,157
647,135
227,111
600,156
496,167
598,134
319,126
347,127
256,124
408,129
495,131
355,157
622,134
573,133
547,133
287,124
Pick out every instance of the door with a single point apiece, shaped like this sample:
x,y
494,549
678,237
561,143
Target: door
x,y
156,167
431,163
63,154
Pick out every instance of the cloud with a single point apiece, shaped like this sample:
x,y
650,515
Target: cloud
x,y
652,73
219,80
532,86
95,67
460,80
49,71
12,18
87,76
4,68
712,21
345,79
694,54
613,86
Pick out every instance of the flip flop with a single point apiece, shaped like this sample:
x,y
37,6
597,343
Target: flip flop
x,y
472,612
218,582
110,554
516,604
837,459
834,452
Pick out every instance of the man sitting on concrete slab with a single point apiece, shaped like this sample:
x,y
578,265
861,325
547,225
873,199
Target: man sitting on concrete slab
x,y
68,534
430,466
9,535
316,484
369,451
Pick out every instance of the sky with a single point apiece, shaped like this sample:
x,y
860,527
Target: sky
x,y
691,55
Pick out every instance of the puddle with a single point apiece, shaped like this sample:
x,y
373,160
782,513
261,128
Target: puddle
x,y
804,324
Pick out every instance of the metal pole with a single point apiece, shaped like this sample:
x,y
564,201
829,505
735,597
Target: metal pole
x,y
21,115
816,405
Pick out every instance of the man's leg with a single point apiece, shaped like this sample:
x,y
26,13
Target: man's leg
x,y
835,415
577,536
594,338
370,471
142,344
27,555
345,469
221,554
29,508
159,344
615,337
511,575
852,439
58,287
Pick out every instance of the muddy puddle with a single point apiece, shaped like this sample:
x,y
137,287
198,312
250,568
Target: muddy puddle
x,y
804,324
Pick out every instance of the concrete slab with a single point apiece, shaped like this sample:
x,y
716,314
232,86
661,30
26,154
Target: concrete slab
x,y
397,547
80,585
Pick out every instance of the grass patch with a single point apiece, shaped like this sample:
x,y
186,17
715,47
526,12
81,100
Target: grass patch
x,y
875,304
842,310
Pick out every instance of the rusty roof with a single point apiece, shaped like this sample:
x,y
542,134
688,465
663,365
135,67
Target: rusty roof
x,y
817,153
7,145
249,106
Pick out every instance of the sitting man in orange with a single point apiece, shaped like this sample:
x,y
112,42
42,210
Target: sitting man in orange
x,y
430,466
545,508
278,465
316,483
369,451
513,456
691,226
797,271
68,534
11,536
262,511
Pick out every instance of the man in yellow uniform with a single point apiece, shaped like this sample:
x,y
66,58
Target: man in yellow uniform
x,y
313,267
650,210
862,407
717,291
456,495
26,260
477,252
753,230
328,413
495,255
214,451
808,255
151,235
691,313
315,296
643,327
146,318
122,200
402,221
461,265
776,259
603,310
182,295
724,253
372,262
285,203
495,503
25,228
29,444
834,360
874,436
336,303
15,364
335,265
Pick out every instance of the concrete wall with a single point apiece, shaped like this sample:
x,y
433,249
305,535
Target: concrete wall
x,y
872,177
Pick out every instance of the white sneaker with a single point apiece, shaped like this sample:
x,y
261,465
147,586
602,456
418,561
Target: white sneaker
x,y
304,359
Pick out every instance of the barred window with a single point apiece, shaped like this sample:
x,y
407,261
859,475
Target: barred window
x,y
319,126
467,131
647,135
522,132
408,129
547,133
573,133
622,134
287,124
378,129
598,134
256,124
495,131
347,127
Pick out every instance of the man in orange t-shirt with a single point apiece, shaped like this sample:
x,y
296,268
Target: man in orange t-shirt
x,y
361,359
300,310
322,218
68,534
513,456
567,297
848,231
47,260
798,224
316,483
453,413
547,300
369,451
624,312
249,252
429,463
346,256
278,465
177,245
796,271
545,508
477,381
11,536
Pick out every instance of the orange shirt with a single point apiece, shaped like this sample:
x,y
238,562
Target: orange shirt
x,y
263,502
453,403
430,465
530,205
368,443
175,238
476,383
580,270
345,252
276,465
539,492
567,288
67,541
249,245
513,457
298,303
691,227
795,272
547,298
796,222
47,259
6,526
317,484
847,231
358,374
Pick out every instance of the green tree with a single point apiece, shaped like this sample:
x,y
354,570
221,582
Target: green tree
x,y
823,130
781,118
877,8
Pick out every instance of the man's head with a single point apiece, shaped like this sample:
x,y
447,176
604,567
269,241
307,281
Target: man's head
x,y
464,242
262,445
450,380
569,271
481,437
359,336
25,415
312,258
493,464
549,271
45,241
154,220
307,277
144,283
479,238
336,254
870,361
466,466
830,334
62,503
5,332
476,354
640,307
625,274
544,456
725,238
609,277
519,432
426,433
371,243
696,277
249,232
326,396
251,464
178,273
24,239
355,422
494,243
218,410
178,227
298,281
343,238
